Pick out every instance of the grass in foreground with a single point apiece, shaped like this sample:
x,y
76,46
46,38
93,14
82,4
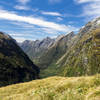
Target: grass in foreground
x,y
54,88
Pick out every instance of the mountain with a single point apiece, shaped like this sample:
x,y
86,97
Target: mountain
x,y
51,51
35,49
55,88
47,62
15,66
83,58
56,50
73,55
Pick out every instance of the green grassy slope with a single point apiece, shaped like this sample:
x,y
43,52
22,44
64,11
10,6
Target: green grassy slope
x,y
54,88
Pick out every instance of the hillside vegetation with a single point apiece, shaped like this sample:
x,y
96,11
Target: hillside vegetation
x,y
81,58
55,88
73,54
84,57
15,66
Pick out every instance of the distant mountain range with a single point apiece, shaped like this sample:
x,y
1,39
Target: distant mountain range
x,y
36,48
15,65
68,55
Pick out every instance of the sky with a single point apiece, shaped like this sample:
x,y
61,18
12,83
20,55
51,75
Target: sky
x,y
37,19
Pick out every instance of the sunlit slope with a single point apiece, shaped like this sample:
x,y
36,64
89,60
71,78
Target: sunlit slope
x,y
84,57
54,88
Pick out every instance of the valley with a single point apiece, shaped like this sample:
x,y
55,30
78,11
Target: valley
x,y
70,54
62,68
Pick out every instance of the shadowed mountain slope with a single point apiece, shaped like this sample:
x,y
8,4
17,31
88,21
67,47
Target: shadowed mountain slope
x,y
15,66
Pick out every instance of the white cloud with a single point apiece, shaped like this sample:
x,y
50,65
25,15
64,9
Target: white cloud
x,y
15,35
20,39
55,1
59,19
29,25
71,22
35,9
86,1
23,1
32,20
91,8
49,31
21,7
20,35
23,25
51,13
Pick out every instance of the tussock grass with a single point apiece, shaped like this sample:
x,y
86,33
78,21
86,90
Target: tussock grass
x,y
54,88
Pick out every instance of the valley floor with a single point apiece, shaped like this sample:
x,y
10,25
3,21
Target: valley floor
x,y
54,88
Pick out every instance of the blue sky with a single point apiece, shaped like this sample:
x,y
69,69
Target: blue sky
x,y
37,19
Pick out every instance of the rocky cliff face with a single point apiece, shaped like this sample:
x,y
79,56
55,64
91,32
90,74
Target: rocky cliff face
x,y
15,66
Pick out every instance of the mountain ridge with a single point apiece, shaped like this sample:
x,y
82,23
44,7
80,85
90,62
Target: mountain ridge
x,y
36,48
70,50
15,65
